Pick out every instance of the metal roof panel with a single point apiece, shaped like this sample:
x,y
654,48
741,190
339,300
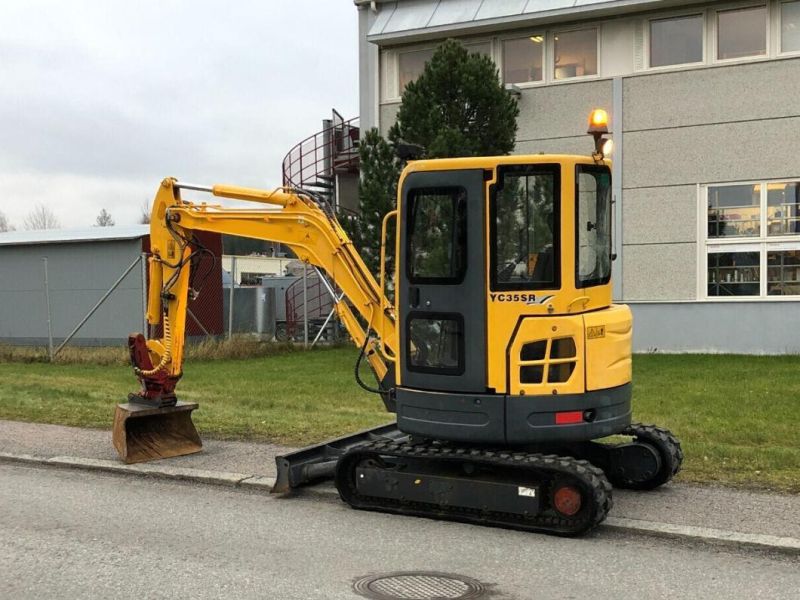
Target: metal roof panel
x,y
63,236
385,13
413,14
540,6
492,9
454,11
410,20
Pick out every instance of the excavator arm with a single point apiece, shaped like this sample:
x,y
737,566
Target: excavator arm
x,y
291,217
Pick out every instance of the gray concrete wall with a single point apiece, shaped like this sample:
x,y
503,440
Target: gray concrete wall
x,y
555,116
79,275
758,327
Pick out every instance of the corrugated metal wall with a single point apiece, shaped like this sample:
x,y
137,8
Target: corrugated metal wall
x,y
79,275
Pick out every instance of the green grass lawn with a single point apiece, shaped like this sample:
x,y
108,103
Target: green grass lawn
x,y
735,415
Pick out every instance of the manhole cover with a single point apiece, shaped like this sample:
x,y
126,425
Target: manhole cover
x,y
419,585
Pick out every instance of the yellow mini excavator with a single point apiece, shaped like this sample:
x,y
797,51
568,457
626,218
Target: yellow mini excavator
x,y
502,356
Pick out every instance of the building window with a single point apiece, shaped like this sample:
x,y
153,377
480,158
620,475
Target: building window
x,y
753,242
790,27
411,65
783,209
733,273
575,54
741,32
676,41
734,211
783,273
523,59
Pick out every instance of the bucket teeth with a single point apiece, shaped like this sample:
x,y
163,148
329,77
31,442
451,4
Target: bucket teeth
x,y
143,433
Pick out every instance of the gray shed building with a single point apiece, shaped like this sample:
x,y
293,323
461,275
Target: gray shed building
x,y
81,266
705,106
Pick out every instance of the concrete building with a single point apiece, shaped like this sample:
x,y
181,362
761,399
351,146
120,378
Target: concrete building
x,y
249,270
705,103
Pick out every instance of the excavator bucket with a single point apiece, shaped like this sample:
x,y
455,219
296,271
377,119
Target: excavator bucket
x,y
142,433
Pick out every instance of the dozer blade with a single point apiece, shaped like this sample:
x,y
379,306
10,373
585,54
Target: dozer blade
x,y
143,433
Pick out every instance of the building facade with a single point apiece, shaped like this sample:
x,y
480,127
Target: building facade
x,y
705,107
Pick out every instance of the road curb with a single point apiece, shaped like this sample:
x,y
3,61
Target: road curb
x,y
784,545
147,470
708,535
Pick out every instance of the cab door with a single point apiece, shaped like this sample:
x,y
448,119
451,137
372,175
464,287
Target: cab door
x,y
442,281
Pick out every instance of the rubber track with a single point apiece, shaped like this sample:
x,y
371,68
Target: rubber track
x,y
547,521
668,446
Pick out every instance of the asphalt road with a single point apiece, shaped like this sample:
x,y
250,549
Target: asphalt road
x,y
74,534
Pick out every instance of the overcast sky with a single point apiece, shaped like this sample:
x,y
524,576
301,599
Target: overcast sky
x,y
99,100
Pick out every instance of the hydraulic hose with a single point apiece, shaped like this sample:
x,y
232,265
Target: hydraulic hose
x,y
167,352
359,381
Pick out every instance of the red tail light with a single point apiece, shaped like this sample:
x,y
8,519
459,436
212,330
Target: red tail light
x,y
566,418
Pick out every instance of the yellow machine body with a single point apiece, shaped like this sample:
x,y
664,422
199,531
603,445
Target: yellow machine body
x,y
602,331
517,365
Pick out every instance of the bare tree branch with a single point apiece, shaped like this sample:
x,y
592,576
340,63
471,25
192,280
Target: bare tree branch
x,y
41,217
144,219
4,223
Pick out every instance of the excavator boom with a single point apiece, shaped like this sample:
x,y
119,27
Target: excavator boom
x,y
293,218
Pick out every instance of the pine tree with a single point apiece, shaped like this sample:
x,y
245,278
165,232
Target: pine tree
x,y
377,193
104,219
457,107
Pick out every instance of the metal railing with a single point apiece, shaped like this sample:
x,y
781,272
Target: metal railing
x,y
318,157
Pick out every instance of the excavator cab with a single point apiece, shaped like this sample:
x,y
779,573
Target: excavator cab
x,y
507,328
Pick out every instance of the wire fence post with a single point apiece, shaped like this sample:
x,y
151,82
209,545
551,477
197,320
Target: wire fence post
x,y
49,314
144,297
100,302
230,297
305,305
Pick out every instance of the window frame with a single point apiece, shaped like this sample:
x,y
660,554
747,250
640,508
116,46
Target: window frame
x,y
703,14
551,66
767,5
762,244
389,91
555,170
779,29
501,58
409,202
433,316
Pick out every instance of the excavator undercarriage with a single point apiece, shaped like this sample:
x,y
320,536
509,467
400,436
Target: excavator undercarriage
x,y
563,490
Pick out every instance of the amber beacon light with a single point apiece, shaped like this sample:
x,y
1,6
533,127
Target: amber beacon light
x,y
598,126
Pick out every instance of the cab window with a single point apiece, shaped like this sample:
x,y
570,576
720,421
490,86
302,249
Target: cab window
x,y
437,235
524,225
593,225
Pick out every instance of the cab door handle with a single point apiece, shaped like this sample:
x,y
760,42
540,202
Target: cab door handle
x,y
413,297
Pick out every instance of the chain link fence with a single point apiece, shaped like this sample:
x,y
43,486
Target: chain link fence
x,y
66,300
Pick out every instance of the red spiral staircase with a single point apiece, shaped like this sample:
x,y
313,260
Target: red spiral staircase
x,y
318,163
